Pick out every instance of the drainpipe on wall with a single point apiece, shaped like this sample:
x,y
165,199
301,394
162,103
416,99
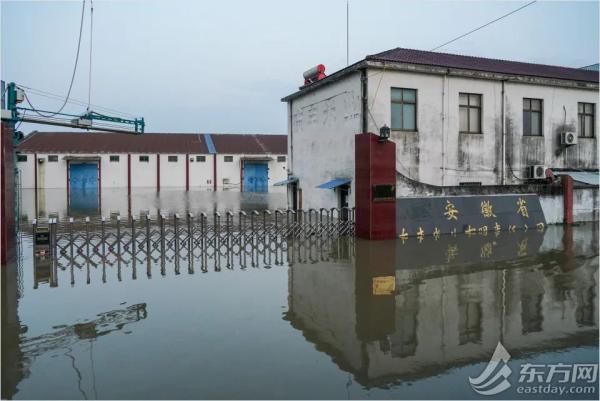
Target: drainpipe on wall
x,y
364,80
291,122
503,116
444,83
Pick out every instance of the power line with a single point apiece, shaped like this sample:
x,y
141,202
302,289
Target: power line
x,y
74,69
484,25
71,100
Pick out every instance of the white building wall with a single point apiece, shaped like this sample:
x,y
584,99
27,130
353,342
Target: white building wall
x,y
172,174
113,174
228,173
436,153
201,173
321,135
143,174
26,171
559,114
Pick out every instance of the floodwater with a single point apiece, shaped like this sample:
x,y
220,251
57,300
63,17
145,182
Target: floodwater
x,y
310,318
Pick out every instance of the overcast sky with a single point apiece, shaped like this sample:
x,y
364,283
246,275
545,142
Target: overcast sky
x,y
223,66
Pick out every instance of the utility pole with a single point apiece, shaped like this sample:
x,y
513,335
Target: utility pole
x,y
347,32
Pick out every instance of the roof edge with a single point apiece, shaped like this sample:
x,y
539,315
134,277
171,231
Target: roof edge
x,y
328,79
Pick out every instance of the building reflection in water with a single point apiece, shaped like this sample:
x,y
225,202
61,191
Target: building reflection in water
x,y
19,352
533,291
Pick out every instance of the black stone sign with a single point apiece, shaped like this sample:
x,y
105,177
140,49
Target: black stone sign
x,y
468,214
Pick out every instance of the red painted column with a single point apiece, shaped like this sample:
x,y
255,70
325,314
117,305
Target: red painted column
x,y
215,172
8,231
129,174
158,172
567,185
375,164
187,172
100,185
68,184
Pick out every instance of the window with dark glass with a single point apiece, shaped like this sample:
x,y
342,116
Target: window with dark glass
x,y
53,158
201,158
145,159
228,159
404,109
532,117
114,158
281,159
21,158
469,113
172,158
586,113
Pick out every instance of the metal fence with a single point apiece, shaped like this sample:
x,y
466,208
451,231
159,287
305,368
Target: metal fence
x,y
220,240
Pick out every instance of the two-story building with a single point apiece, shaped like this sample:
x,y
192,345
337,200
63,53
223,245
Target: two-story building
x,y
456,121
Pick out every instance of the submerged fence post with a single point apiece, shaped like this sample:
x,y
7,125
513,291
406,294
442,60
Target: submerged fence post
x,y
148,246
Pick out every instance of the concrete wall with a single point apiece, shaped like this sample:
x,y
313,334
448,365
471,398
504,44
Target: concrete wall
x,y
143,174
321,138
201,172
585,206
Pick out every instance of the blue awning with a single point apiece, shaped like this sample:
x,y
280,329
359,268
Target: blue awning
x,y
335,183
588,177
290,180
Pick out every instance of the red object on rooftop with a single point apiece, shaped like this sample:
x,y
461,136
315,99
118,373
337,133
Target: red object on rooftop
x,y
314,74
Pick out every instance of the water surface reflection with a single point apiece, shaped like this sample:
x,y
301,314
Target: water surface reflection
x,y
337,318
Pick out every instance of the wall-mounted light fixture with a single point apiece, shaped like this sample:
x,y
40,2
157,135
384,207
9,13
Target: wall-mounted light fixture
x,y
384,133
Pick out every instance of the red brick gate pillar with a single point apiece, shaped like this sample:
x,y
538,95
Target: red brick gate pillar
x,y
7,233
375,187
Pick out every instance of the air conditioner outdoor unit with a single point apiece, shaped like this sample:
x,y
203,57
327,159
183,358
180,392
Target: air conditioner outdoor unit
x,y
568,138
536,172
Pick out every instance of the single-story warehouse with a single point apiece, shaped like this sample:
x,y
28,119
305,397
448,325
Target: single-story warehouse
x,y
95,160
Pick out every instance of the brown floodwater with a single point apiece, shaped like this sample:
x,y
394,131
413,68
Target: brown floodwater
x,y
298,318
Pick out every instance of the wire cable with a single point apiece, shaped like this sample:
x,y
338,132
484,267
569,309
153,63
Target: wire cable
x,y
484,25
74,70
71,100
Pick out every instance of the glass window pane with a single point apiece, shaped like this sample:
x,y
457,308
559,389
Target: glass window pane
x,y
536,104
396,95
474,100
463,99
409,117
580,125
526,123
580,107
588,126
396,119
535,124
409,95
474,120
526,104
589,108
463,119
